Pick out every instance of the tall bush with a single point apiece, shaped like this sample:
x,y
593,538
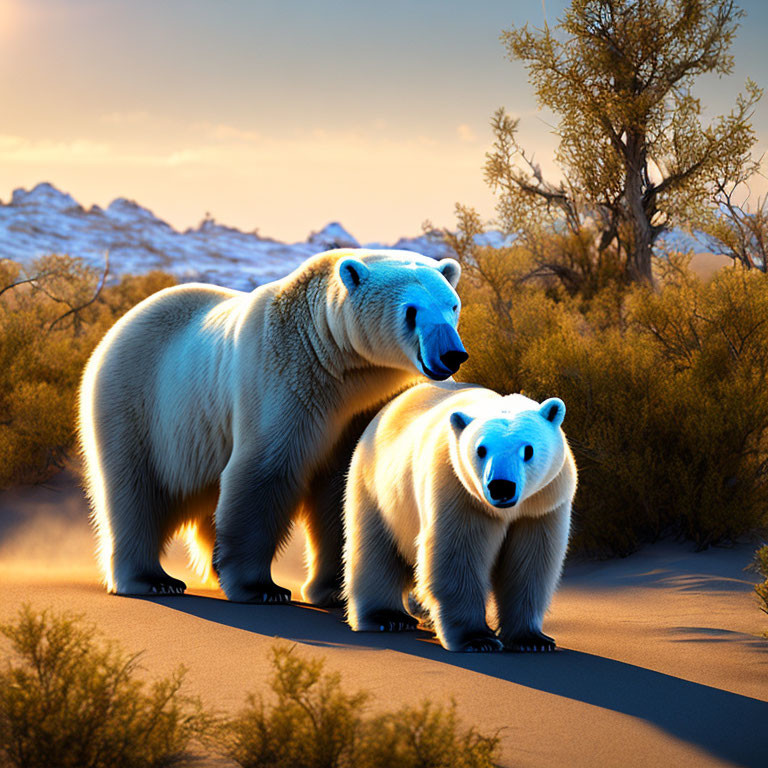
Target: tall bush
x,y
665,391
43,349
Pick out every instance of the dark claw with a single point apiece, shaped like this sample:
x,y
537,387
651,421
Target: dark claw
x,y
392,621
483,644
163,585
531,642
268,594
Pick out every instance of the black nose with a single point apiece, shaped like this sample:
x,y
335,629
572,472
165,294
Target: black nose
x,y
453,359
501,489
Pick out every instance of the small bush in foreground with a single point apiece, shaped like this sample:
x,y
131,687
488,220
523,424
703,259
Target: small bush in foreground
x,y
425,737
315,724
69,701
72,700
761,566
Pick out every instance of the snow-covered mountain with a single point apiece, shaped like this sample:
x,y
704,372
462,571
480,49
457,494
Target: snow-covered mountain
x,y
45,220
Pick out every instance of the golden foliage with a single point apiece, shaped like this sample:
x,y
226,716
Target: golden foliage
x,y
635,155
665,391
314,723
44,346
761,566
69,700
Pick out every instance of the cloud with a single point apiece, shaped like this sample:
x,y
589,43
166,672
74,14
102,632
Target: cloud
x,y
229,146
465,133
232,133
18,150
125,118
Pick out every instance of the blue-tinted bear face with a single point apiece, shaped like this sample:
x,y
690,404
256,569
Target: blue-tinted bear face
x,y
429,309
406,311
510,457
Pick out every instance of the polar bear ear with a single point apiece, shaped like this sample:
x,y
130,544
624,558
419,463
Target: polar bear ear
x,y
553,410
352,272
459,420
451,270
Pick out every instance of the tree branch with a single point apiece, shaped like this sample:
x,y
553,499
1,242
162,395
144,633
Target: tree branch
x,y
97,292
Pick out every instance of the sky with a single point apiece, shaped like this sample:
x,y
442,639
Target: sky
x,y
282,116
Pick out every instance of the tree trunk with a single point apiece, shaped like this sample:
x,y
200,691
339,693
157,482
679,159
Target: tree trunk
x,y
639,258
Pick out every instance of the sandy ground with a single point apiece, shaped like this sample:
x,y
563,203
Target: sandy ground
x,y
661,660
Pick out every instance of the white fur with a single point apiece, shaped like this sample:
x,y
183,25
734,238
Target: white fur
x,y
204,397
418,515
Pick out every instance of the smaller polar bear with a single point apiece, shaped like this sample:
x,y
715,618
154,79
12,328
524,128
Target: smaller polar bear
x,y
457,493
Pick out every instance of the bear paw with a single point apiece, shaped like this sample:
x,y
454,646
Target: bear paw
x,y
387,620
265,594
531,642
485,643
323,596
153,585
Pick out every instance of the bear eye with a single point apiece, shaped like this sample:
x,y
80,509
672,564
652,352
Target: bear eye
x,y
455,307
410,318
481,451
528,453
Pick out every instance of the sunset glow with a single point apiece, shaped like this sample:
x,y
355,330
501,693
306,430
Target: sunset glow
x,y
277,119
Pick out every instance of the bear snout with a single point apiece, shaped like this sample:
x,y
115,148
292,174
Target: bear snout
x,y
503,490
436,363
453,359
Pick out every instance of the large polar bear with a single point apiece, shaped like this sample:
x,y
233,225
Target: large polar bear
x,y
256,399
456,493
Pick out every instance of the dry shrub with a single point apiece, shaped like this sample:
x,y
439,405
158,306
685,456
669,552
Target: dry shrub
x,y
761,566
69,700
666,391
43,352
315,724
426,736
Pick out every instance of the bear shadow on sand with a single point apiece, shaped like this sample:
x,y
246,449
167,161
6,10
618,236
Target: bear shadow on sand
x,y
728,725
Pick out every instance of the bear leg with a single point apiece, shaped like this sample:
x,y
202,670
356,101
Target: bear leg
x,y
453,577
253,519
526,574
139,520
322,517
376,577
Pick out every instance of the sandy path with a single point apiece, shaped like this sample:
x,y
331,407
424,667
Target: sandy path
x,y
661,661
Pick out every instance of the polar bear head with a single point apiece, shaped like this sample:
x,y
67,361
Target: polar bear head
x,y
401,309
505,452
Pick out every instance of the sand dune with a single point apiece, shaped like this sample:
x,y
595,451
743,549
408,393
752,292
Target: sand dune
x,y
661,660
